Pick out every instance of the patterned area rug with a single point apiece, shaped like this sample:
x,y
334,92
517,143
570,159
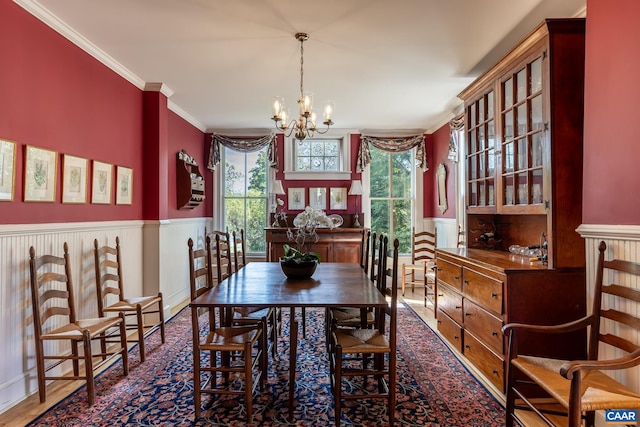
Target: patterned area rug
x,y
434,388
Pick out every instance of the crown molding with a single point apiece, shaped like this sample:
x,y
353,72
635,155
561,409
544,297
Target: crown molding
x,y
37,10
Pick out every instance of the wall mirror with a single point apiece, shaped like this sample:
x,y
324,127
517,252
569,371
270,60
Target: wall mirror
x,y
441,175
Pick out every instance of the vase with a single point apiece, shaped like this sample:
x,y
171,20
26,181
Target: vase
x,y
301,270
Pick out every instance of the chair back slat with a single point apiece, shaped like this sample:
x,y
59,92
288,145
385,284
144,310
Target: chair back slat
x,y
615,302
200,279
423,245
108,267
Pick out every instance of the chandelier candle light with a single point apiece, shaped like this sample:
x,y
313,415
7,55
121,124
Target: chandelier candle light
x,y
305,126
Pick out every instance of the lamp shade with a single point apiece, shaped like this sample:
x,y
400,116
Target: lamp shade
x,y
276,187
356,188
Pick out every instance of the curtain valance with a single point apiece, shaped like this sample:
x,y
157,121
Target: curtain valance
x,y
246,145
393,145
455,125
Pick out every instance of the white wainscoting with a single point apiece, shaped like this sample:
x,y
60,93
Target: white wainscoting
x,y
154,259
623,242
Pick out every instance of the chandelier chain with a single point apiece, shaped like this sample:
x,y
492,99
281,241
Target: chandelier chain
x,y
301,66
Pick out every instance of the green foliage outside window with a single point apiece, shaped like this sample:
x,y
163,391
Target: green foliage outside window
x,y
392,196
245,196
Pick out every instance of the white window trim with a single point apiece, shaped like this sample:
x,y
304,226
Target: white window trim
x,y
345,162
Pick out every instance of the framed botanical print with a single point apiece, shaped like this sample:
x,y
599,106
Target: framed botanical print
x,y
40,172
338,198
101,183
7,169
75,171
124,185
318,197
296,199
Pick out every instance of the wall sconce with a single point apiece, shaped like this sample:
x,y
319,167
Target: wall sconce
x,y
356,190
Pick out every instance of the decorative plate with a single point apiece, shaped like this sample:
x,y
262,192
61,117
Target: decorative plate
x,y
336,219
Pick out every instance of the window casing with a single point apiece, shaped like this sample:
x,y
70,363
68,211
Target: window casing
x,y
318,158
244,190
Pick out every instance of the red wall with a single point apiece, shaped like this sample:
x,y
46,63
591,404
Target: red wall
x,y
612,90
438,148
56,96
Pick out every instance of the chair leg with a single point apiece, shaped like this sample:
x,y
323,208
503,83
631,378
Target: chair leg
x,y
42,383
404,278
196,381
140,332
88,367
161,315
248,378
511,397
337,388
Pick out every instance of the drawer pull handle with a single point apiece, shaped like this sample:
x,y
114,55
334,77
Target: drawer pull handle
x,y
494,333
456,338
495,372
467,347
456,277
440,295
458,307
467,314
494,295
466,282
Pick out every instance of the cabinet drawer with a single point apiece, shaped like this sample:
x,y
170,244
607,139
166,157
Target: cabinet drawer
x,y
489,363
450,330
483,325
449,273
450,302
484,290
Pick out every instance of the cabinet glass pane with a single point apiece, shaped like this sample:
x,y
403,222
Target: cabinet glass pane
x,y
473,171
536,186
492,161
523,199
536,112
521,81
490,105
536,76
491,134
522,154
482,170
481,138
508,125
481,194
472,114
473,195
508,93
536,149
521,112
481,116
509,154
473,147
508,190
491,189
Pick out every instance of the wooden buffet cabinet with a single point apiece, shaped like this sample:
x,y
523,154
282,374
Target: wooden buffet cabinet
x,y
479,291
523,137
334,245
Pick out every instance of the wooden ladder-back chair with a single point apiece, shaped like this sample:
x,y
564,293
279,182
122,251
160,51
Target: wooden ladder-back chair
x,y
423,254
578,388
109,282
54,319
378,343
239,247
353,317
220,342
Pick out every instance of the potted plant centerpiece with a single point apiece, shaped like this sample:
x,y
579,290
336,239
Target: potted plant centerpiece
x,y
300,262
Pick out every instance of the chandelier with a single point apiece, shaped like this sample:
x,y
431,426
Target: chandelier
x,y
305,126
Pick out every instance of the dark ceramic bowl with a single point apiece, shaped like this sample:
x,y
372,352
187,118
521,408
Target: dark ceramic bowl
x,y
302,270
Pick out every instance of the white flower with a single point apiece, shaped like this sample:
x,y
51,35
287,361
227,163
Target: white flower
x,y
280,202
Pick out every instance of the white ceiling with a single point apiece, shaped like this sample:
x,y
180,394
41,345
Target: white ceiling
x,y
387,65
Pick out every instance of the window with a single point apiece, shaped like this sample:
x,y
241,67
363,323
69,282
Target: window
x,y
245,196
392,179
320,158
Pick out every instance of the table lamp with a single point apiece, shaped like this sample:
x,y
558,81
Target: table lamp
x,y
276,190
356,190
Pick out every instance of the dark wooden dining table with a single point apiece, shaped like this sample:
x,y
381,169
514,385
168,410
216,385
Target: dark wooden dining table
x,y
264,284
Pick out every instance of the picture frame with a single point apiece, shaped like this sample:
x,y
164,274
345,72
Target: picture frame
x,y
40,172
318,198
101,183
124,185
296,199
338,198
7,169
75,172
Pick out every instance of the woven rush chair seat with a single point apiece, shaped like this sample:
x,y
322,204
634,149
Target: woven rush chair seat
x,y
361,341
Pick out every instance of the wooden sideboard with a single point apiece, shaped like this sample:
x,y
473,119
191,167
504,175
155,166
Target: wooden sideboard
x,y
334,245
478,291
